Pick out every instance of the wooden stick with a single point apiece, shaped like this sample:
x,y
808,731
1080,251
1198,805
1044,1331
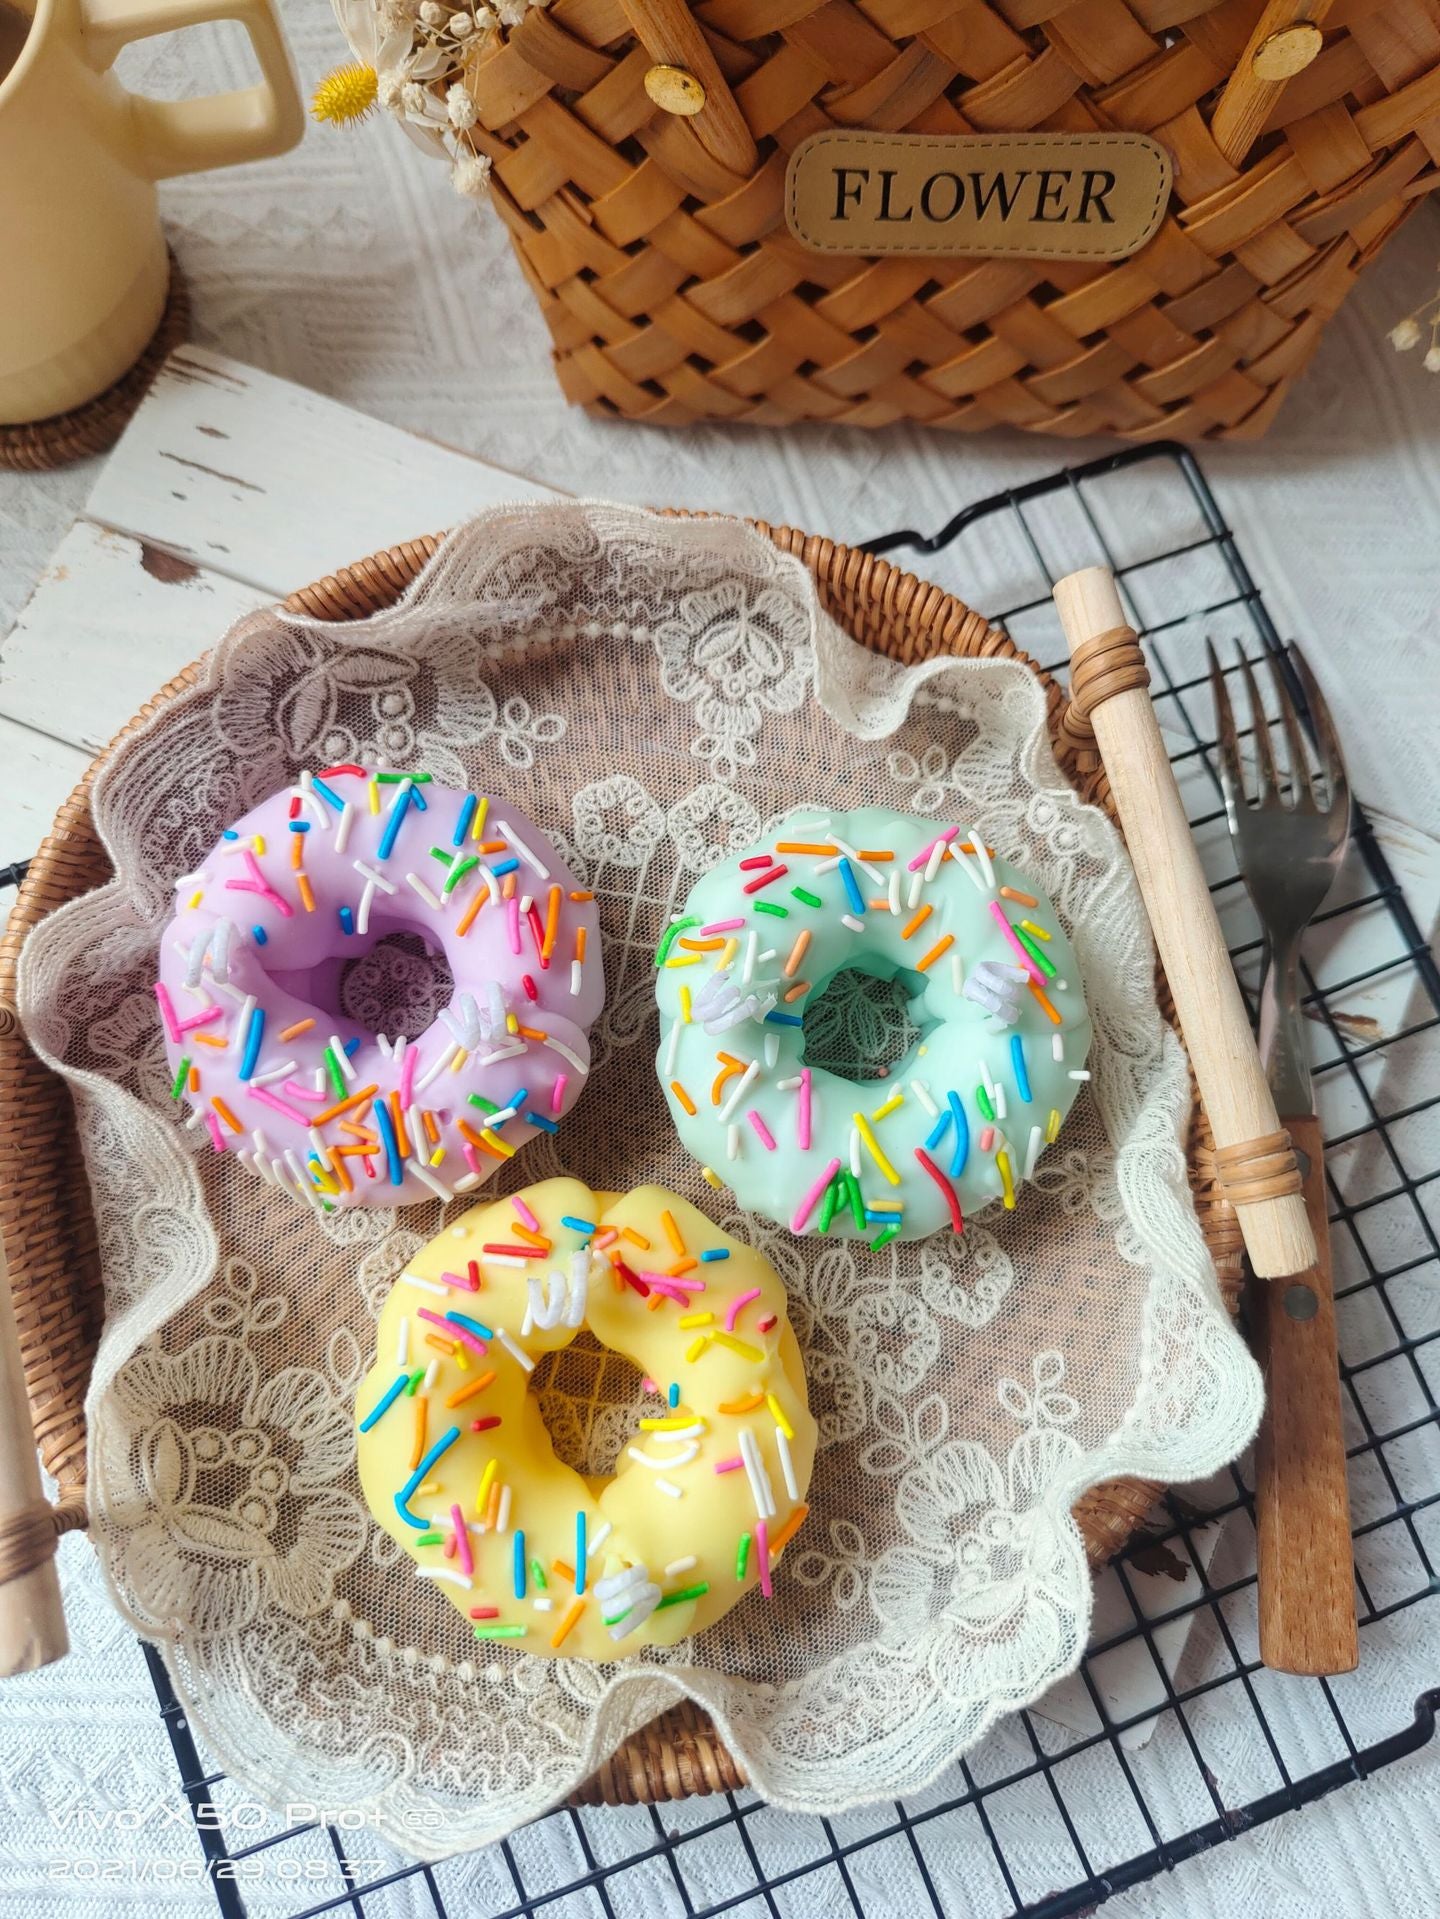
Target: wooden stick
x,y
672,36
1253,88
1256,1164
32,1617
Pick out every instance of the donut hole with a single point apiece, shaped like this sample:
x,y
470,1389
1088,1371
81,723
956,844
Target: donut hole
x,y
396,986
860,1026
590,1399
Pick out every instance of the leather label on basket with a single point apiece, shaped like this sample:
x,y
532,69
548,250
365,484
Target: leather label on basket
x,y
1036,196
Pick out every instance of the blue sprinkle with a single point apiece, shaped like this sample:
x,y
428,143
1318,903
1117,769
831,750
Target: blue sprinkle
x,y
262,938
347,920
937,1132
471,1325
462,825
329,795
299,826
716,1252
1017,1060
253,1038
847,873
962,1135
579,1554
229,834
519,1573
419,799
783,1019
386,1402
402,1498
505,866
545,1125
395,821
387,1140
350,1048
674,1395
586,1226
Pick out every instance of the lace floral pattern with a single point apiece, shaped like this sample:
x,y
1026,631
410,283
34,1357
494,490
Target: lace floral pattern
x,y
648,688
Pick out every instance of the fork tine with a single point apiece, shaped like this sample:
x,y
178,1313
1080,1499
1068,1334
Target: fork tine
x,y
1302,784
1232,784
1264,751
1327,740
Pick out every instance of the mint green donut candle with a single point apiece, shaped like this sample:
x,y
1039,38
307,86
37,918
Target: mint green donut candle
x,y
995,995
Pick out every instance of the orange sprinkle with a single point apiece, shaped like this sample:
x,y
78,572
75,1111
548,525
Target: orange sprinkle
x,y
338,1168
672,1231
686,1265
582,896
300,1026
1047,1007
467,1132
916,921
701,946
867,854
798,990
804,846
417,1444
966,846
781,1539
581,935
940,946
529,1032
205,1039
446,1346
492,846
507,886
654,1302
552,921
492,1508
397,1120
459,1397
463,925
363,1151
432,1131
531,1239
879,906
561,1632
728,1071
360,1132
224,1111
306,896
194,1079
1021,899
797,952
684,1098
297,850
746,1405
565,1570
635,1239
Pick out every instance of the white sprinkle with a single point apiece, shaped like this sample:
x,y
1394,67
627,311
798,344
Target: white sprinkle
x,y
663,1465
967,866
402,1344
444,1572
894,894
525,852
430,899
228,986
672,1050
375,879
825,866
312,799
1032,1151
768,954
437,1066
362,917
787,1085
517,1353
262,1145
771,1049
512,1051
275,1072
849,919
430,1372
739,1090
427,1178
317,1079
855,1151
678,1566
596,1539
191,879
1077,1075
757,1475
787,1464
543,1605
732,1141
848,851
677,1435
957,973
527,902
342,832
576,970
467,1182
664,1486
242,1024
341,1056
508,1259
922,1093
1057,1046
1002,1111
426,1285
570,1059
747,970
932,865
917,883
502,1511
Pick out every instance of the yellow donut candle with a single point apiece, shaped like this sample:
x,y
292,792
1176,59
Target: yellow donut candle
x,y
457,1465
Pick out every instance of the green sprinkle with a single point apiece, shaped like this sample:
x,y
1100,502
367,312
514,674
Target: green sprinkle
x,y
458,872
686,1592
413,1384
829,1203
1036,952
332,1067
982,1100
768,906
742,1555
884,1237
501,1632
671,934
809,899
179,1086
430,1539
857,1203
537,1573
439,853
613,1619
485,1105
394,779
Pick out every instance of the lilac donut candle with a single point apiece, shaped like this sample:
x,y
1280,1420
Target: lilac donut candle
x,y
297,1092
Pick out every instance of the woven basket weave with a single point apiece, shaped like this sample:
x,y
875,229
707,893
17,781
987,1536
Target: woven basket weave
x,y
45,1218
673,291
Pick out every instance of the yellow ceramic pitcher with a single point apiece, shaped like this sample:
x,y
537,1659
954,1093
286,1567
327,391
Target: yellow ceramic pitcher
x,y
83,272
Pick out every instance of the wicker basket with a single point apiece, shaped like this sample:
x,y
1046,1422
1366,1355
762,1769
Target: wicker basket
x,y
658,249
45,1219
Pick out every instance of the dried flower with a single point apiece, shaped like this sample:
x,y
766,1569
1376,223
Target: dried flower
x,y
1405,334
345,96
461,25
432,13
486,19
511,12
1432,360
460,107
414,99
470,174
391,90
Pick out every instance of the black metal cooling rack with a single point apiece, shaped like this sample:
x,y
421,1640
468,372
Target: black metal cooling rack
x,y
1045,1818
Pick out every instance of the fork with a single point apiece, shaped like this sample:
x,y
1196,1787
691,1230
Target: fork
x,y
1290,839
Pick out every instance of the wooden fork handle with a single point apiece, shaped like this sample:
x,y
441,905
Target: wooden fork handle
x,y
1302,1502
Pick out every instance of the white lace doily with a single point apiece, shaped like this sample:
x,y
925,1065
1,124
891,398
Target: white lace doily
x,y
656,693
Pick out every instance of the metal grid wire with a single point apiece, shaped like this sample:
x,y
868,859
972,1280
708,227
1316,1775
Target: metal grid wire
x,y
1172,1738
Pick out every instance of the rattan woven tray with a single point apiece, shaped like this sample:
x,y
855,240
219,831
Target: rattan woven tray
x,y
45,1218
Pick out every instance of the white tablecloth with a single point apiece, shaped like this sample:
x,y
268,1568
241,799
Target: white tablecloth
x,y
349,267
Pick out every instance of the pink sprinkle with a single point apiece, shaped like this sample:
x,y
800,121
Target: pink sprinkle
x,y
987,1139
215,1133
722,926
297,1091
765,1325
167,1011
607,1238
762,1552
677,1289
454,1330
737,1306
202,1018
527,1218
728,1465
460,1279
767,1138
813,1197
512,922
472,1160
557,1091
755,860
649,1386
765,879
1021,955
407,1076
277,1105
802,1123
923,856
462,1541
257,883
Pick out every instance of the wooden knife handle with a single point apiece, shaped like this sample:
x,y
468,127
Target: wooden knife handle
x,y
1302,1501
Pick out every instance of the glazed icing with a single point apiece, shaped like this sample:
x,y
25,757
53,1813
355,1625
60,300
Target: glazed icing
x,y
457,1465
301,1095
995,993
